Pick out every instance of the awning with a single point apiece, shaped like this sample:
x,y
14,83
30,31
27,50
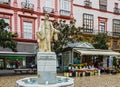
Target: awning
x,y
7,53
13,57
96,52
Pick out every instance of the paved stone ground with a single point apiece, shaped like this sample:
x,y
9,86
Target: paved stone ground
x,y
91,81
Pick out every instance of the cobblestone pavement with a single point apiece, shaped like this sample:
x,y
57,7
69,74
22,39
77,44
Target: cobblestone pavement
x,y
91,81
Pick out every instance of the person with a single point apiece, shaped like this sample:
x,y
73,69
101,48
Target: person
x,y
45,35
17,63
96,64
76,60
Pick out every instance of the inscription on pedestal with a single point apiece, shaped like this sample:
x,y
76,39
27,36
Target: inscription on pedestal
x,y
46,67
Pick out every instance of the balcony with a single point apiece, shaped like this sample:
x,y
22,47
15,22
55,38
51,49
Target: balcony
x,y
116,10
95,32
27,6
109,33
117,34
5,3
64,12
87,3
48,10
103,7
86,31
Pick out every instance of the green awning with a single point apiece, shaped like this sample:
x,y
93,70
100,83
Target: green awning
x,y
13,57
7,53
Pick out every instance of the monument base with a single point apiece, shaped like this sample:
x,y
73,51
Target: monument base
x,y
46,67
33,82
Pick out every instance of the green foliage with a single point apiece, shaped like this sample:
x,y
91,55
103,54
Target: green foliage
x,y
68,33
100,41
6,38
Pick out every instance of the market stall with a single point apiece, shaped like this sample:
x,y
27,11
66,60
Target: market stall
x,y
88,59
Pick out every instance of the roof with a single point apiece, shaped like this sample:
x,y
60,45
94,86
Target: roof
x,y
96,52
80,45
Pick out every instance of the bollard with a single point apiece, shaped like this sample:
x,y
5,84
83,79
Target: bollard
x,y
98,72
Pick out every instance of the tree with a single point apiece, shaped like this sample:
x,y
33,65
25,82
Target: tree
x,y
114,61
100,41
68,33
6,37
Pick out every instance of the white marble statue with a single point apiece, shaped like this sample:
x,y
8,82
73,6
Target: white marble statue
x,y
45,34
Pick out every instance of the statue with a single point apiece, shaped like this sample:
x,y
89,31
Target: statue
x,y
45,35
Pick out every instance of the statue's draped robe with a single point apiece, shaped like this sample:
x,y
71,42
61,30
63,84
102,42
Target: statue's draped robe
x,y
45,35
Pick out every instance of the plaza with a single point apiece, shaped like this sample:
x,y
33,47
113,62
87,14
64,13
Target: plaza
x,y
87,61
96,16
105,80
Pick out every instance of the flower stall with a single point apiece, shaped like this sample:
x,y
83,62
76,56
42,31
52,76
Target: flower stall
x,y
82,59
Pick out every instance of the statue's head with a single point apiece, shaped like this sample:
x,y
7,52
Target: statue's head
x,y
46,16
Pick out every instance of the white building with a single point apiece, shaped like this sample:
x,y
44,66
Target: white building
x,y
98,15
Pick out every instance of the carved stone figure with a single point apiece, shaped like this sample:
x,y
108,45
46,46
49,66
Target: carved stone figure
x,y
45,35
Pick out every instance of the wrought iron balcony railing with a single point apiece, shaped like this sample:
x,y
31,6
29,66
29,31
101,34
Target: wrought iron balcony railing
x,y
88,3
116,33
65,12
7,2
103,7
94,32
87,31
29,6
48,10
116,10
113,34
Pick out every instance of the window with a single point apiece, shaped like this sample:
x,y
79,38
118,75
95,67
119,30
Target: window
x,y
116,5
116,9
103,4
4,1
65,7
116,27
7,20
27,30
102,27
48,6
102,24
88,22
87,3
48,3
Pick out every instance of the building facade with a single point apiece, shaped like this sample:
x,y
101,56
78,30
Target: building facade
x,y
25,16
99,16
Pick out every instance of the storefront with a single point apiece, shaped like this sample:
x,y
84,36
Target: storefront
x,y
11,60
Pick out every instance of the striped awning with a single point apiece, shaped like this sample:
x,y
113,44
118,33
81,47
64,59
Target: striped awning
x,y
96,52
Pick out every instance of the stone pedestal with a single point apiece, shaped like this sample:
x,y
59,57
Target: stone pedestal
x,y
46,67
